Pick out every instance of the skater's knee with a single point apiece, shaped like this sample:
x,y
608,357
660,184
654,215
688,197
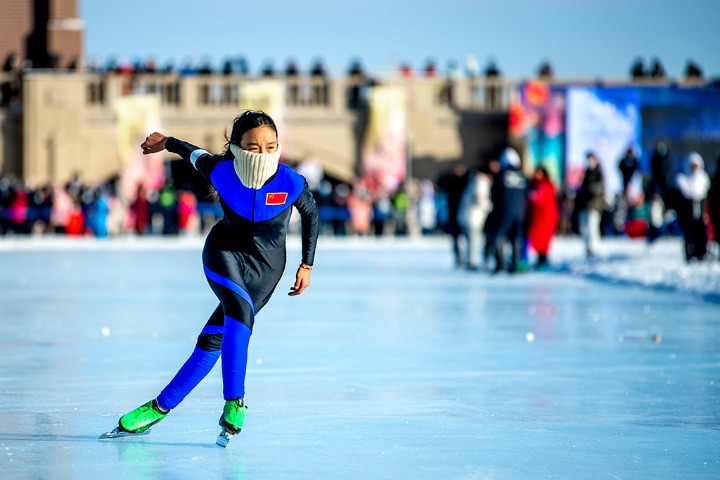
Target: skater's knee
x,y
244,318
236,308
210,342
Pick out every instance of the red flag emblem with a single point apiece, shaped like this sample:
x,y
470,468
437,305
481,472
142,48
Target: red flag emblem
x,y
276,198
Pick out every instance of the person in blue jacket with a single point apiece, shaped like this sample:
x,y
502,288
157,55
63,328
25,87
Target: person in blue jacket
x,y
243,258
506,222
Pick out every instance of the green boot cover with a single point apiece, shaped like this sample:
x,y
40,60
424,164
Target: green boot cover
x,y
233,416
142,418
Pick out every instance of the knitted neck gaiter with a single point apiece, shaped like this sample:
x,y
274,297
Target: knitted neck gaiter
x,y
254,169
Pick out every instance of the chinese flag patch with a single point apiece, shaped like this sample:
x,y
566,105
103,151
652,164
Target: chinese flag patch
x,y
276,198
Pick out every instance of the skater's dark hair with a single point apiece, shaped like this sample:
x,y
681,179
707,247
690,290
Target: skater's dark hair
x,y
248,120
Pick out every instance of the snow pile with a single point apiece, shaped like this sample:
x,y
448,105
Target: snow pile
x,y
658,266
621,260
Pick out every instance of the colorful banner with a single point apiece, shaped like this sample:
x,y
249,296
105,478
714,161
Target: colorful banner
x,y
537,120
268,96
688,119
384,153
557,127
605,121
137,117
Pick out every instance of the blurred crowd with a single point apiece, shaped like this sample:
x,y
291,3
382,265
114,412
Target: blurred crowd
x,y
500,220
639,69
497,217
76,209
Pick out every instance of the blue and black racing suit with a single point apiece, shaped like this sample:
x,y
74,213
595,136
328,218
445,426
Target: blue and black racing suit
x,y
243,258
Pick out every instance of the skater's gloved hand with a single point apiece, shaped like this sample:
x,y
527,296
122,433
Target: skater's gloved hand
x,y
155,142
302,280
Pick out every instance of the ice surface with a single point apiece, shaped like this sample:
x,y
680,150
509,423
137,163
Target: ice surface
x,y
391,365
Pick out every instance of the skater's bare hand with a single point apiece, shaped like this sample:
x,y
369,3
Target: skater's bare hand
x,y
155,142
302,281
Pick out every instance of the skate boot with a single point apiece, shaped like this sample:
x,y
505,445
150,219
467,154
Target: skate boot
x,y
138,421
231,420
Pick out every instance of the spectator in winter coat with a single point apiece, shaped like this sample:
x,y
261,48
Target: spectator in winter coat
x,y
628,165
693,185
658,190
140,210
475,205
713,203
452,185
17,211
543,215
591,203
99,211
505,224
426,208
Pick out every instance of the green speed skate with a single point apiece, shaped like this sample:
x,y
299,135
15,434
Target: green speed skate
x,y
138,421
231,420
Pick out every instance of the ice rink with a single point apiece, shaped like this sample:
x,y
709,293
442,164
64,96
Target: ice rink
x,y
392,365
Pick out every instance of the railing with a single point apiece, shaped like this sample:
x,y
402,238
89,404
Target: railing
x,y
101,89
479,94
216,90
208,91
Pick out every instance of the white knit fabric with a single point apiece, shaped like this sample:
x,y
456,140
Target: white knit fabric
x,y
254,169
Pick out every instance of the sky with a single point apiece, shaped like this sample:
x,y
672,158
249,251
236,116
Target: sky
x,y
581,38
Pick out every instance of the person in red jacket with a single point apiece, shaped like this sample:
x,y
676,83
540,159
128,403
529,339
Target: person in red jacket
x,y
543,215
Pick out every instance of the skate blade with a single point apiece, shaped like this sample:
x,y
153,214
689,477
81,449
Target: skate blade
x,y
224,438
117,433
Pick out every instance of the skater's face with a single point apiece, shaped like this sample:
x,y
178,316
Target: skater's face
x,y
261,139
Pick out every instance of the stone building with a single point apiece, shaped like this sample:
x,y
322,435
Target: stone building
x,y
43,33
58,119
66,122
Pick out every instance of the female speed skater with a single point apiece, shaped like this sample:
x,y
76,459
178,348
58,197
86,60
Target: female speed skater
x,y
244,257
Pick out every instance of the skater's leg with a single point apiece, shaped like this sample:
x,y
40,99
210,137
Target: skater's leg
x,y
202,360
234,358
243,285
190,374
239,310
239,317
234,363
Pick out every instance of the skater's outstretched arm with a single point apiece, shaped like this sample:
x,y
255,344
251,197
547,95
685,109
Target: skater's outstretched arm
x,y
202,160
157,142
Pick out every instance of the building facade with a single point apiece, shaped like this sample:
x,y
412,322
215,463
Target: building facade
x,y
41,33
66,122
